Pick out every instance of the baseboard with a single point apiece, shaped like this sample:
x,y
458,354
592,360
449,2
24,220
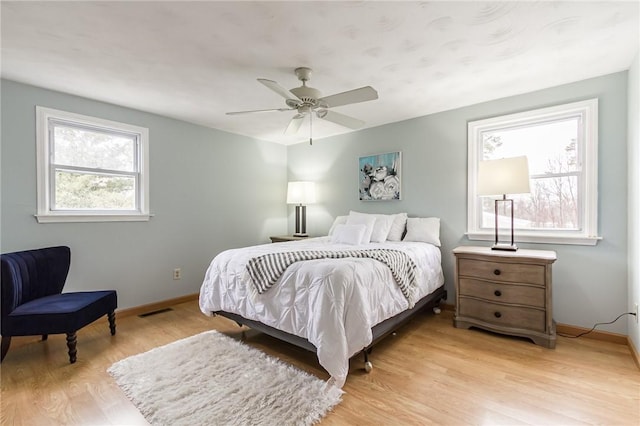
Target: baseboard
x,y
447,307
603,336
143,309
634,352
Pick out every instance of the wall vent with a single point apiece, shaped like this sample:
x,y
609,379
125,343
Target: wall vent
x,y
159,311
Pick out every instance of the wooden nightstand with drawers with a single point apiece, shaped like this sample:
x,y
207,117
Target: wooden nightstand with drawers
x,y
505,292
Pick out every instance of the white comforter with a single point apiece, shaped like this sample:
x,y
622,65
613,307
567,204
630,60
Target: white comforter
x,y
333,303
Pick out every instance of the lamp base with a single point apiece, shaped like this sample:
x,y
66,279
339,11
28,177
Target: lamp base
x,y
301,221
504,247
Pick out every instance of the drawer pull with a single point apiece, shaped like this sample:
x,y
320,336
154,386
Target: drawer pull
x,y
498,293
496,272
497,314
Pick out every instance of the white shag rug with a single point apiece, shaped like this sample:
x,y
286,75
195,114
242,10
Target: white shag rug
x,y
212,379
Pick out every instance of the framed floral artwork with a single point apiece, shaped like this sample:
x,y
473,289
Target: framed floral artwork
x,y
379,177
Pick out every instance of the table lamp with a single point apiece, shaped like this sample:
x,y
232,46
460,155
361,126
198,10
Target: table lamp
x,y
502,177
301,193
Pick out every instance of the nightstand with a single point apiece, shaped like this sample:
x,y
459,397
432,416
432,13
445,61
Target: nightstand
x,y
282,238
505,292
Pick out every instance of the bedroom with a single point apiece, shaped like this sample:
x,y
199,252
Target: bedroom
x,y
212,190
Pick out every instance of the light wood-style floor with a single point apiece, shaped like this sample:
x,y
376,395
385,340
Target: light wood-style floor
x,y
428,373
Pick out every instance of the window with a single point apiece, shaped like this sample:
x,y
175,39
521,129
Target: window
x,y
89,169
561,145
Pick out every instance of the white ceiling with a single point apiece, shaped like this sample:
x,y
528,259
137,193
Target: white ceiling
x,y
195,61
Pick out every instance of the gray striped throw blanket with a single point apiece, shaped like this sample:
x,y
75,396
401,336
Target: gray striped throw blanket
x,y
265,270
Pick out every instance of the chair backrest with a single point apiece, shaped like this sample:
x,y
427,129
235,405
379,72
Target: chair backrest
x,y
31,274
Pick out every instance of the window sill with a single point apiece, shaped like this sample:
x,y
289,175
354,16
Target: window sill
x,y
579,240
71,217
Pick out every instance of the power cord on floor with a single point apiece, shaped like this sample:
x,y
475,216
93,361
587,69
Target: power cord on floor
x,y
597,324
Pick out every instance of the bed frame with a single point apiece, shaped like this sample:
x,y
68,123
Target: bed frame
x,y
379,331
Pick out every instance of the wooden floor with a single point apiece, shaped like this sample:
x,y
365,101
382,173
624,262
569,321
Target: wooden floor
x,y
428,373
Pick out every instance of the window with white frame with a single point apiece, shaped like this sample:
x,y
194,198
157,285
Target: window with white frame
x,y
561,146
90,169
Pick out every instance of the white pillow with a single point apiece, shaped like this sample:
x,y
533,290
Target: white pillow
x,y
363,219
381,226
397,227
348,234
426,229
340,220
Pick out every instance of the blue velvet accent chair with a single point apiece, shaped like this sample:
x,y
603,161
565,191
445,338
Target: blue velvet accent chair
x,y
33,303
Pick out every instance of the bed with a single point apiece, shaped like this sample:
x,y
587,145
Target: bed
x,y
336,307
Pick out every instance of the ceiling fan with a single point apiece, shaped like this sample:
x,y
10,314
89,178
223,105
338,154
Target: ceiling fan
x,y
309,101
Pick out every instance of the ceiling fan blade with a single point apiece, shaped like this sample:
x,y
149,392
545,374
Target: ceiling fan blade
x,y
259,110
354,96
341,119
278,89
294,124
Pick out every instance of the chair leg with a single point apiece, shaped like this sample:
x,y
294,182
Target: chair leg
x,y
112,322
45,337
6,342
71,344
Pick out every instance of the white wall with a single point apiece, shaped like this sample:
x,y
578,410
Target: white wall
x,y
210,191
589,283
634,198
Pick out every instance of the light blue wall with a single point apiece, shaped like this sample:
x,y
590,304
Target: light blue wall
x,y
210,191
589,283
634,198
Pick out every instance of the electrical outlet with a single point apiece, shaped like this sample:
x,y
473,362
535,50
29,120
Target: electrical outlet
x,y
177,274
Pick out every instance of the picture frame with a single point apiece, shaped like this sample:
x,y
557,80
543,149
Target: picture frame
x,y
379,177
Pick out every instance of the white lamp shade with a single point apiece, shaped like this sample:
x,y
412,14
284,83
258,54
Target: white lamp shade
x,y
503,176
301,193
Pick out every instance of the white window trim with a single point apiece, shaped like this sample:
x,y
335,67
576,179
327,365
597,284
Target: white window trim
x,y
588,235
44,213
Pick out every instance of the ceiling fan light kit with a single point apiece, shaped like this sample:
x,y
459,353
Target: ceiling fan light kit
x,y
309,101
